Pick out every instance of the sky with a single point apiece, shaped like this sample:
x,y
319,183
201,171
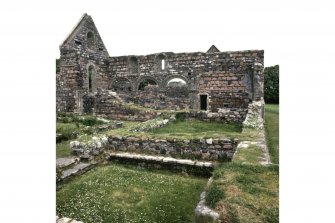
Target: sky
x,y
142,27
297,35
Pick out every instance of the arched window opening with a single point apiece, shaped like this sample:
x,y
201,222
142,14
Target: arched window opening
x,y
90,40
121,85
90,78
133,63
145,83
161,62
176,82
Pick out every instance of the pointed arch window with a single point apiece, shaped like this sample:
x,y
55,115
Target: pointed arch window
x,y
90,40
133,65
91,77
161,62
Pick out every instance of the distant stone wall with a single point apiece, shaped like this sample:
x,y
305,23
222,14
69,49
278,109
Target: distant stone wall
x,y
227,94
152,96
235,115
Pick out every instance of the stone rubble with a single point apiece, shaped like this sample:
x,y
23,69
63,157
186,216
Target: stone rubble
x,y
66,220
203,213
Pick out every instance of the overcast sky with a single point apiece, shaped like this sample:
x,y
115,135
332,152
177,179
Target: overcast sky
x,y
141,27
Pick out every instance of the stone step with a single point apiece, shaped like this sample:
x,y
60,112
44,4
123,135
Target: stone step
x,y
192,167
78,169
66,220
160,159
65,163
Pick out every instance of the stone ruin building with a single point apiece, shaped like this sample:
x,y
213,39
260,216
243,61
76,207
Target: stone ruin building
x,y
213,83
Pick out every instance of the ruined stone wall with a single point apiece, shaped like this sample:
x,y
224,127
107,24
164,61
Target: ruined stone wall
x,y
230,79
227,94
183,65
152,96
213,149
192,68
200,149
107,104
82,48
67,82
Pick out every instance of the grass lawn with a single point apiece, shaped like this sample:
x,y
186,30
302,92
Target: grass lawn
x,y
186,129
252,155
197,129
272,131
117,193
250,191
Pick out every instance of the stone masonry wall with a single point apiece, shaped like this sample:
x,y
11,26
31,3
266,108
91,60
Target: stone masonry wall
x,y
227,94
152,97
107,104
230,79
200,149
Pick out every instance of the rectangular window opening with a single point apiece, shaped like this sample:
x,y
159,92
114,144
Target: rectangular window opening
x,y
203,102
163,64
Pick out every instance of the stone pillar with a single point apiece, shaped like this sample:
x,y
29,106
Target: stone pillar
x,y
258,81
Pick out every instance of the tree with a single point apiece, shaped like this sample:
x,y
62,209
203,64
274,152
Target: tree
x,y
271,84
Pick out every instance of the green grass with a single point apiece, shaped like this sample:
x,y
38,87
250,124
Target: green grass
x,y
63,149
186,129
117,193
250,155
272,131
66,129
197,129
251,193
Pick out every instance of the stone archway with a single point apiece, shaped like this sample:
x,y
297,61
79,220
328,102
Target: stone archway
x,y
144,78
170,77
121,84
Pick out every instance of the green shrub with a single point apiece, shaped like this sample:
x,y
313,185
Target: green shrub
x,y
90,121
67,131
214,194
180,116
271,84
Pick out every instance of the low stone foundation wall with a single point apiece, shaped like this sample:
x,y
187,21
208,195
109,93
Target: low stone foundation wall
x,y
236,115
198,149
